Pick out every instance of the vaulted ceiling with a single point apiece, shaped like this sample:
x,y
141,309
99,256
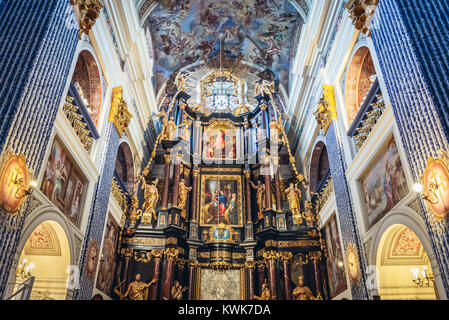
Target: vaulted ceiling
x,y
185,32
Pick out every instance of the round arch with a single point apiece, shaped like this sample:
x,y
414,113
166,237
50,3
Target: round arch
x,y
124,165
403,217
319,164
87,80
358,80
56,259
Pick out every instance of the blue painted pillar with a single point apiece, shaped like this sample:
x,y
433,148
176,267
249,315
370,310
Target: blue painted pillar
x,y
346,216
411,40
99,209
37,47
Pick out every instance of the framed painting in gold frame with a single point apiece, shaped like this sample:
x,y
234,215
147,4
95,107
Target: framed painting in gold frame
x,y
221,200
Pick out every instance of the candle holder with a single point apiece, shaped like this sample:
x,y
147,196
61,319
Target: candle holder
x,y
422,277
23,271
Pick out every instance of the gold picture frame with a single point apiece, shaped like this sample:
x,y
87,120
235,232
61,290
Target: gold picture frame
x,y
207,214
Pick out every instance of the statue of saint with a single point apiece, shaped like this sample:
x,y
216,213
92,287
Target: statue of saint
x,y
177,290
301,292
151,196
260,196
169,129
266,293
182,197
293,196
138,290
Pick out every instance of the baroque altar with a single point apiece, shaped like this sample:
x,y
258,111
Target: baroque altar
x,y
228,205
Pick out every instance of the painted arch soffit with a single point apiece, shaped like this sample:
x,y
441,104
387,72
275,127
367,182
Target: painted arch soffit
x,y
185,32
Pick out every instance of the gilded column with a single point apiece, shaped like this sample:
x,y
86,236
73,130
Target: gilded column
x,y
176,179
270,258
193,264
157,254
277,184
267,177
126,255
260,275
248,196
316,258
164,201
286,258
250,266
170,255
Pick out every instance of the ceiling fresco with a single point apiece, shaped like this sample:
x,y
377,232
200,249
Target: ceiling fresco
x,y
189,31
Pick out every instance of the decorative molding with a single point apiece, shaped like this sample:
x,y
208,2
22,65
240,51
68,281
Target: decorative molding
x,y
89,11
119,115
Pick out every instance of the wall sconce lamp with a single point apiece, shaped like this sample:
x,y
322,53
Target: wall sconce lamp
x,y
433,188
422,277
22,192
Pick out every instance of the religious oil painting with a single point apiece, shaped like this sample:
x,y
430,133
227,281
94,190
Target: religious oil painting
x,y
221,200
105,277
220,144
383,184
63,182
334,262
226,284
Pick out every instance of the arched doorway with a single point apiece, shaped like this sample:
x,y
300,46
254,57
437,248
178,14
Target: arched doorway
x,y
47,253
401,259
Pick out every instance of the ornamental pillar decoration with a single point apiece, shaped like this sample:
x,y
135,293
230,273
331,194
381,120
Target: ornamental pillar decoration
x,y
157,255
326,111
176,180
126,255
361,13
119,115
170,255
260,275
315,257
164,200
89,11
193,264
286,258
267,177
250,267
270,258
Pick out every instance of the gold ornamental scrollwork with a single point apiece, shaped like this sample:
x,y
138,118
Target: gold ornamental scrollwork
x,y
285,256
250,265
361,13
89,12
119,115
143,257
171,253
326,111
315,256
157,254
270,256
127,252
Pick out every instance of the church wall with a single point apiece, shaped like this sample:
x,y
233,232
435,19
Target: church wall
x,y
308,82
